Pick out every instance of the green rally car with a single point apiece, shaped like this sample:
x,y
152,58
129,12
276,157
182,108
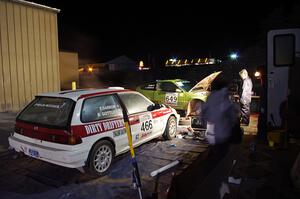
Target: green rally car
x,y
177,93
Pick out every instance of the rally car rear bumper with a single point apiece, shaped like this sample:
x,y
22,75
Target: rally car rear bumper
x,y
59,154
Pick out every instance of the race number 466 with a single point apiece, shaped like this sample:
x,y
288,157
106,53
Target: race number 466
x,y
171,98
146,125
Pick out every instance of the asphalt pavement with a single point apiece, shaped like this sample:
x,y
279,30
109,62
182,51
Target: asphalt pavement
x,y
260,171
7,122
250,170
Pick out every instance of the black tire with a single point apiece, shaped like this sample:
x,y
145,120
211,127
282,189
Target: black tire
x,y
105,153
171,128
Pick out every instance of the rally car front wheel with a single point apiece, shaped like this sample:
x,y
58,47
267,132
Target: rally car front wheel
x,y
100,157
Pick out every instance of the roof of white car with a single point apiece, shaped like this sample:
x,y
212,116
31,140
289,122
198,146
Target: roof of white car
x,y
83,93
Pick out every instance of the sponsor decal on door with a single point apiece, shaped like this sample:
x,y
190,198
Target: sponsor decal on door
x,y
171,98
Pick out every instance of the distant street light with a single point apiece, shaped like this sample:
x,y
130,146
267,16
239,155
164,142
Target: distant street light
x,y
141,65
257,74
90,69
233,56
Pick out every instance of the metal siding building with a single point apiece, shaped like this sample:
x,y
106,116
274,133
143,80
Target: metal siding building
x,y
68,64
29,60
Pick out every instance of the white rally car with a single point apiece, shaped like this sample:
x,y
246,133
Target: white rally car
x,y
85,128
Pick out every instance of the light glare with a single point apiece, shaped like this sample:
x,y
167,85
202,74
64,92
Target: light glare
x,y
233,56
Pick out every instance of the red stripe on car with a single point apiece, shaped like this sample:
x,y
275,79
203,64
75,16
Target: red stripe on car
x,y
83,130
101,93
134,119
159,113
93,128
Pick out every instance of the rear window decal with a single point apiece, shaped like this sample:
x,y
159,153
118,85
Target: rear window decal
x,y
47,105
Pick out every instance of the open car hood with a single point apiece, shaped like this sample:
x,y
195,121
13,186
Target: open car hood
x,y
204,84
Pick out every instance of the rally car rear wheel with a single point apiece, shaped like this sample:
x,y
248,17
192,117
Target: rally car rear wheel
x,y
171,128
101,157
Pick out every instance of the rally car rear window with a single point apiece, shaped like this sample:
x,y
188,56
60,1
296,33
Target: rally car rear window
x,y
48,111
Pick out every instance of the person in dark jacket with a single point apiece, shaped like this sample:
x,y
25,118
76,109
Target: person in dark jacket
x,y
245,97
222,119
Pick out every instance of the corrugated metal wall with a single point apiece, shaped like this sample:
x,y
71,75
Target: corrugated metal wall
x,y
68,64
29,62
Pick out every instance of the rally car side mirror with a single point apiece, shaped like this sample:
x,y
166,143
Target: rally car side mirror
x,y
153,107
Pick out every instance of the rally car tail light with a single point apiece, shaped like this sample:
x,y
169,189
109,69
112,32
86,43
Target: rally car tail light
x,y
18,129
72,140
49,135
66,139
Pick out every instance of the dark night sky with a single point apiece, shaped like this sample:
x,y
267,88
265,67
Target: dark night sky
x,y
100,31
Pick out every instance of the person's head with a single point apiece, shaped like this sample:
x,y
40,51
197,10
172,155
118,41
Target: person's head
x,y
243,74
